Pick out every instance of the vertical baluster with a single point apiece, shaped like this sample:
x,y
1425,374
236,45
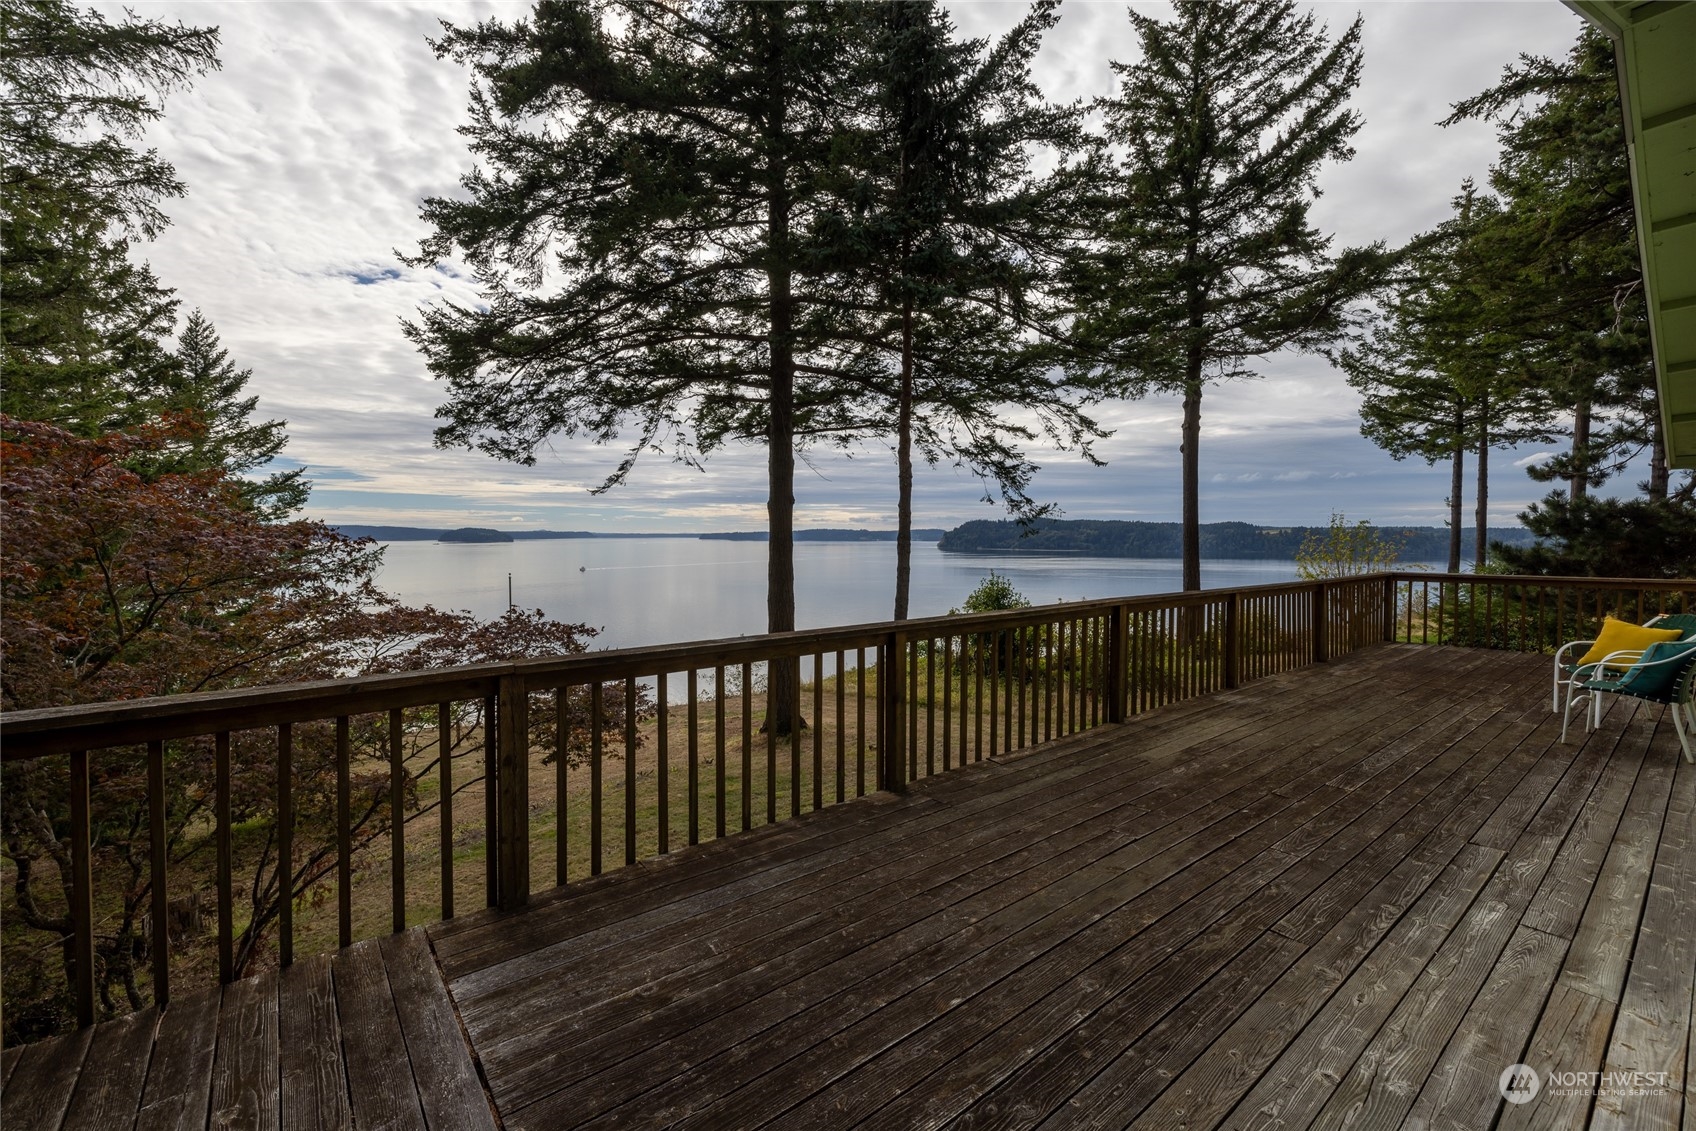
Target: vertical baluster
x,y
223,839
965,710
82,889
860,722
977,699
444,764
771,749
1069,630
597,803
795,782
892,713
513,730
947,703
662,767
1021,676
344,832
912,650
841,726
285,844
747,746
1093,686
1095,626
1004,647
630,769
397,823
491,802
158,880
930,706
1080,673
818,731
722,751
1045,648
694,756
562,775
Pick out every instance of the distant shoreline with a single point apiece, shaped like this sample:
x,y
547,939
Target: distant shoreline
x,y
432,534
1220,541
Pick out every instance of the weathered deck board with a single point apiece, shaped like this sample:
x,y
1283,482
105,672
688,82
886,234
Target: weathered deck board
x,y
325,1045
309,1040
1181,832
448,1088
41,1084
108,1094
1335,897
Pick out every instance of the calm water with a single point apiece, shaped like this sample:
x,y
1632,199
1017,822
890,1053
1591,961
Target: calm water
x,y
668,590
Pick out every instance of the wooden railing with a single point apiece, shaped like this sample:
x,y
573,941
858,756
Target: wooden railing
x,y
1525,614
882,705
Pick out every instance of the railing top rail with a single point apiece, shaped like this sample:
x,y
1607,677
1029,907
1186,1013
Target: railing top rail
x,y
34,733
1647,584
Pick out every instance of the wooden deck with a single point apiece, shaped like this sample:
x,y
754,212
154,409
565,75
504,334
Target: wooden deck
x,y
1349,896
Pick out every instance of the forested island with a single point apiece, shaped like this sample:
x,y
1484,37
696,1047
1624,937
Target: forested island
x,y
920,535
479,534
1104,538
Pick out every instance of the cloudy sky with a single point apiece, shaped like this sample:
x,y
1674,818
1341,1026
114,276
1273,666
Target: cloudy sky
x,y
307,155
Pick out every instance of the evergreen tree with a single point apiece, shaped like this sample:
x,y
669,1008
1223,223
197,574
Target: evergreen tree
x,y
206,387
1566,299
1207,259
1595,536
642,234
1567,295
953,243
1431,373
81,322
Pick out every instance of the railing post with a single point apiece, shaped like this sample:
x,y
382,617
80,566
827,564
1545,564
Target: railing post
x,y
82,890
1233,640
491,800
512,740
1321,623
892,697
1118,663
1389,608
161,903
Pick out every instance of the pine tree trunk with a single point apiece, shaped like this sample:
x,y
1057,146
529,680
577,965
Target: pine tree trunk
x,y
1483,515
1192,480
1579,484
904,468
1656,487
783,677
1457,492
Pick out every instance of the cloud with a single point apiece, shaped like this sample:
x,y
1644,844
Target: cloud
x,y
308,155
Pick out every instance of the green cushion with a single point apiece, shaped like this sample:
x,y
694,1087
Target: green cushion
x,y
1657,682
1684,622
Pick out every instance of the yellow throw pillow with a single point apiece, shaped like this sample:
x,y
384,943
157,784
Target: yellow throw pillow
x,y
1623,636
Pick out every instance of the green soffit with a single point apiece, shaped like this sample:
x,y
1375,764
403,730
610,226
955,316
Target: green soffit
x,y
1655,44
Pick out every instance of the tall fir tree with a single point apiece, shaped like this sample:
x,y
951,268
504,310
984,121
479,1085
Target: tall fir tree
x,y
1207,259
82,323
1432,374
1567,296
643,234
204,386
1566,299
950,245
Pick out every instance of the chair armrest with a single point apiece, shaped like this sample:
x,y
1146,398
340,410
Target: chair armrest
x,y
1621,661
1561,651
